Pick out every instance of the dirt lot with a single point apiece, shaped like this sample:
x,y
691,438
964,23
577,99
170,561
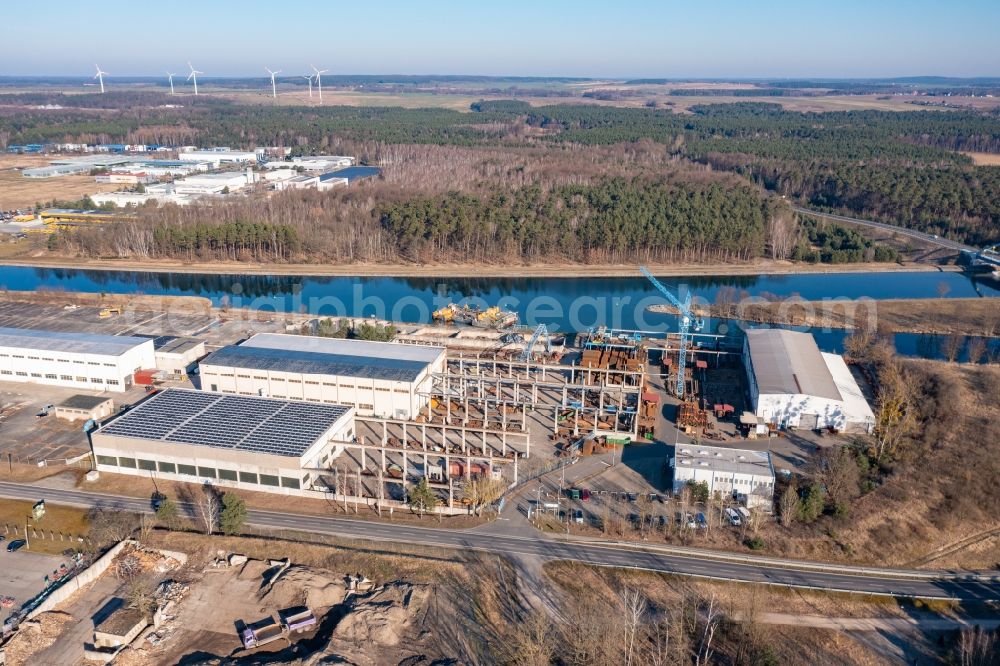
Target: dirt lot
x,y
390,620
18,192
984,159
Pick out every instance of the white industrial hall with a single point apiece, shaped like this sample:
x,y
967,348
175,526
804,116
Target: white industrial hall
x,y
383,379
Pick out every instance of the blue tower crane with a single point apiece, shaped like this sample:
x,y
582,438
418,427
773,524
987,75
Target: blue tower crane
x,y
540,330
687,322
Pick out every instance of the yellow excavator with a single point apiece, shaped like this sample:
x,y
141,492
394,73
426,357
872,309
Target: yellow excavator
x,y
107,312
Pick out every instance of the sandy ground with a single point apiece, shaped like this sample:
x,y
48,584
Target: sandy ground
x,y
984,159
18,192
466,270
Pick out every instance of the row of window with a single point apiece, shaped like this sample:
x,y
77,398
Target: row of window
x,y
199,471
61,360
65,378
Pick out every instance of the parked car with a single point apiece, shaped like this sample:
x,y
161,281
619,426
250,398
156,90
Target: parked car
x,y
733,516
574,493
702,521
16,544
632,497
585,495
662,521
689,521
578,517
744,514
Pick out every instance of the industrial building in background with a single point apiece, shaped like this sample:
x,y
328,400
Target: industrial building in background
x,y
74,360
177,355
384,379
252,443
795,385
742,474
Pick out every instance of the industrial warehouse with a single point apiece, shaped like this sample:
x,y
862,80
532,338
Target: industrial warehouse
x,y
739,473
234,441
73,360
377,378
794,385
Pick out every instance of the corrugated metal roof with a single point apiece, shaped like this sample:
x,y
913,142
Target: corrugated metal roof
x,y
789,362
200,418
68,342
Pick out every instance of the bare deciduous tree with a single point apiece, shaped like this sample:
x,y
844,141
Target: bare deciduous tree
x,y
894,417
782,232
976,349
482,491
951,346
109,526
711,623
208,508
634,607
788,505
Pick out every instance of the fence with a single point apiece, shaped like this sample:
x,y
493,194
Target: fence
x,y
36,533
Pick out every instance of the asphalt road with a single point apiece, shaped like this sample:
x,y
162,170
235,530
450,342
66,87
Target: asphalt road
x,y
950,587
901,231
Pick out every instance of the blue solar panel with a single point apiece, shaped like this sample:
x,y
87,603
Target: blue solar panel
x,y
316,363
352,173
201,418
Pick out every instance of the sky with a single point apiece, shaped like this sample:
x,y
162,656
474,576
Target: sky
x,y
607,39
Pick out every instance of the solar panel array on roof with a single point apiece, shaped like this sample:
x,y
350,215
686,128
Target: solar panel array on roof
x,y
366,348
69,342
262,425
317,363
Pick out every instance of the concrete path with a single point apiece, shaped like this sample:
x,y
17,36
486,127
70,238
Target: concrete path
x,y
68,648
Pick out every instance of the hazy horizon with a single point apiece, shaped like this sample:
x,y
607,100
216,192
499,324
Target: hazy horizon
x,y
634,39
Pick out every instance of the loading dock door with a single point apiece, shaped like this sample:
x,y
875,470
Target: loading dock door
x,y
809,421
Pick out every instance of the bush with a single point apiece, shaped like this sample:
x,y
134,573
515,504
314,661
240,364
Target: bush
x,y
755,543
166,513
699,491
813,503
234,513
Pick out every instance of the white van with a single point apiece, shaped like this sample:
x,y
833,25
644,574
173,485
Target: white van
x,y
733,517
744,514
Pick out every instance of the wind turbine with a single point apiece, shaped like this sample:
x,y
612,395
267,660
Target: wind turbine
x,y
274,90
310,80
100,76
171,78
194,75
319,81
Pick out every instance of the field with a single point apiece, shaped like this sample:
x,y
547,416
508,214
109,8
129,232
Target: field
x,y
984,159
57,520
960,316
18,192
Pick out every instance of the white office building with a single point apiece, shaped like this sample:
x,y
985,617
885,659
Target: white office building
x,y
377,378
74,360
217,157
740,473
262,444
794,385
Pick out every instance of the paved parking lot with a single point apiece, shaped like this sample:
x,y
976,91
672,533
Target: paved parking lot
x,y
30,439
86,319
22,575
